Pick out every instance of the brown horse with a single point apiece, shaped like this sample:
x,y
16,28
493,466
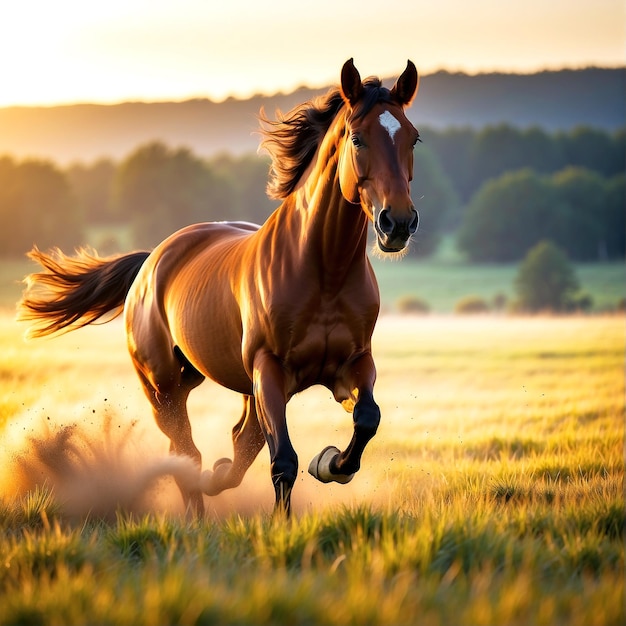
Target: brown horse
x,y
266,311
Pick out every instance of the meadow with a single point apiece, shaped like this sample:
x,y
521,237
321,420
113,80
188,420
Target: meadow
x,y
440,281
492,494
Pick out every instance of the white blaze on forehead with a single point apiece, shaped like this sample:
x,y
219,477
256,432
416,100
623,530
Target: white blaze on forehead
x,y
389,123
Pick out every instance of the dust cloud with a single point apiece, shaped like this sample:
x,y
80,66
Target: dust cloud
x,y
97,462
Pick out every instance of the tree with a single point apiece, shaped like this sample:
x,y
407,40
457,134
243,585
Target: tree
x,y
509,215
451,147
246,177
92,186
161,190
36,207
580,230
546,280
499,149
613,218
540,151
471,157
495,150
594,149
434,198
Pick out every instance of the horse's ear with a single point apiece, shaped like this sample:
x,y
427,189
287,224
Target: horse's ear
x,y
351,85
406,86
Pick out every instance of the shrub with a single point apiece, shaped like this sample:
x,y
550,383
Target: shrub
x,y
546,280
582,302
499,302
412,305
471,304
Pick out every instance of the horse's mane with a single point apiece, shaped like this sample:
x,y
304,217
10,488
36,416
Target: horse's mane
x,y
293,138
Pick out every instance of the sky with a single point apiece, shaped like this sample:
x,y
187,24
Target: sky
x,y
67,51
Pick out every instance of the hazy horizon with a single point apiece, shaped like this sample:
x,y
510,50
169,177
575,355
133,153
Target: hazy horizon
x,y
303,86
141,50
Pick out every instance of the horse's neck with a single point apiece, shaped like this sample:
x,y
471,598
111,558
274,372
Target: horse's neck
x,y
331,229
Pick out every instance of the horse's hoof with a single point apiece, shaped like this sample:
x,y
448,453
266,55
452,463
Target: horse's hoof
x,y
211,482
221,461
319,467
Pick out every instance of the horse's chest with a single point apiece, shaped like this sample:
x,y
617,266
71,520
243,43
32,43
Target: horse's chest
x,y
321,342
319,350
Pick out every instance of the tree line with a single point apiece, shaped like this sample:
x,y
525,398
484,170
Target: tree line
x,y
471,157
499,189
577,209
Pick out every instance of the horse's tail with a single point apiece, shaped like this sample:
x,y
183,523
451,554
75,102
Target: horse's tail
x,y
72,292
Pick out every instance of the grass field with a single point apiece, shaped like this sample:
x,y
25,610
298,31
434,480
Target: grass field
x,y
441,283
492,494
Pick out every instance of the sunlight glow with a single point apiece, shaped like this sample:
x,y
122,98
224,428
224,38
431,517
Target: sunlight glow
x,y
71,51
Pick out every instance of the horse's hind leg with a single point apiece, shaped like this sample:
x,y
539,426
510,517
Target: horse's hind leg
x,y
248,440
168,391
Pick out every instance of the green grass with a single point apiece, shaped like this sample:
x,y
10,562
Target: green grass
x,y
476,558
441,283
493,492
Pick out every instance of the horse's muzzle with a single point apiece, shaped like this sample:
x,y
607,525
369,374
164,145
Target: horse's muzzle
x,y
392,233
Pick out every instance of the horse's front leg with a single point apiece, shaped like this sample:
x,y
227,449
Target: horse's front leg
x,y
271,402
333,465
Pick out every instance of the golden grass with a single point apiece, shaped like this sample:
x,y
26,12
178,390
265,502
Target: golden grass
x,y
493,492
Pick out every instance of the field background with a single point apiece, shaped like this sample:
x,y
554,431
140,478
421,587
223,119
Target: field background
x,y
492,494
441,281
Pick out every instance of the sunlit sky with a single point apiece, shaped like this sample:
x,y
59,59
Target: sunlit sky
x,y
64,51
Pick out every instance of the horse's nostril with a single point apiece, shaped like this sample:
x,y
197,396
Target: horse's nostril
x,y
386,222
414,222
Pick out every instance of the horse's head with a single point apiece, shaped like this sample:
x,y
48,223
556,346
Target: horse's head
x,y
376,160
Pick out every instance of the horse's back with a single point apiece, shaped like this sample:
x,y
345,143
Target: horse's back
x,y
205,234
179,249
184,297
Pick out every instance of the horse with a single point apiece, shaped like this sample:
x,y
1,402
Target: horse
x,y
267,311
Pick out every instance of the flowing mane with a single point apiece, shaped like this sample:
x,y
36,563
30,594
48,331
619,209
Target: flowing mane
x,y
293,138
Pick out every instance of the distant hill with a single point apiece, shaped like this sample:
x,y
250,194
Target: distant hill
x,y
553,100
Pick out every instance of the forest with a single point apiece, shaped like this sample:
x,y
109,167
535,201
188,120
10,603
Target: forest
x,y
496,191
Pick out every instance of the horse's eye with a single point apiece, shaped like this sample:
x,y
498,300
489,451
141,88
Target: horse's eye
x,y
356,140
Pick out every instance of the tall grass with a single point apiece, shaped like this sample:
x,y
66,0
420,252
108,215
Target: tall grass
x,y
492,494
